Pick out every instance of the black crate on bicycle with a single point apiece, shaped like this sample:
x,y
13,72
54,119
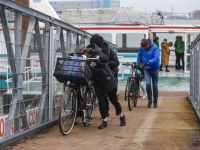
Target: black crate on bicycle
x,y
74,70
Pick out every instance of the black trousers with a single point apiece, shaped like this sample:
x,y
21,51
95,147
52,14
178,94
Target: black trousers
x,y
102,100
177,64
107,98
181,57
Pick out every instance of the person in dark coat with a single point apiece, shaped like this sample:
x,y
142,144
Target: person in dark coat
x,y
104,82
113,61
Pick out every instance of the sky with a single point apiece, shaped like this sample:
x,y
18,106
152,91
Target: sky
x,y
179,6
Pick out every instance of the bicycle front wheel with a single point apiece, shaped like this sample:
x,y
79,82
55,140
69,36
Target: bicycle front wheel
x,y
90,102
137,94
131,95
126,90
67,111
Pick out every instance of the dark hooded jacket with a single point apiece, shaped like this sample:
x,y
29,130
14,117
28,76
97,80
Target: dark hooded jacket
x,y
104,79
112,55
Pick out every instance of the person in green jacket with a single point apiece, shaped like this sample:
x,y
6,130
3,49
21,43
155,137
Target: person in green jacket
x,y
181,52
156,41
177,46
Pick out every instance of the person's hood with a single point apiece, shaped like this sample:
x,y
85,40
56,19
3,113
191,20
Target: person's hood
x,y
156,38
177,37
106,49
151,43
164,43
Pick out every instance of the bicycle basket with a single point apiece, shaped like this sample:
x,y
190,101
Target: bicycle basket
x,y
72,70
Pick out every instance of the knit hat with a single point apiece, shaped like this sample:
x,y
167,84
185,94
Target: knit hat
x,y
97,39
144,43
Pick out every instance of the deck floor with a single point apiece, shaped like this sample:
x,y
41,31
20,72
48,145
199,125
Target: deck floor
x,y
173,125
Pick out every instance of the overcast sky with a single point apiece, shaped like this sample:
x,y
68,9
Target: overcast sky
x,y
179,6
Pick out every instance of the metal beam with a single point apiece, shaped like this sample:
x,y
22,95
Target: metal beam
x,y
18,41
11,58
74,42
46,43
62,43
22,69
42,17
40,50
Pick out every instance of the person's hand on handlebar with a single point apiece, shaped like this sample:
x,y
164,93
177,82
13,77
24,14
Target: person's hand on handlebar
x,y
93,63
146,63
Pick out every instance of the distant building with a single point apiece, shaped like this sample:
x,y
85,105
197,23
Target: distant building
x,y
86,4
195,14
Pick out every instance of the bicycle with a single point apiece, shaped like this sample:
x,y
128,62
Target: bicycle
x,y
132,90
79,98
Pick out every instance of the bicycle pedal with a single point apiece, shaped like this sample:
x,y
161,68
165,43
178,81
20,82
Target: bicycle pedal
x,y
88,122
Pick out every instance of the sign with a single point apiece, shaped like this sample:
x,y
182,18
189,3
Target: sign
x,y
31,115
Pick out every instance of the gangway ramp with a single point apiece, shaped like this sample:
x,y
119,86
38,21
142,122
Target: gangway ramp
x,y
173,125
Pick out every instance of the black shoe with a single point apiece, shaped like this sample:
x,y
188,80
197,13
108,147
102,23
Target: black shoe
x,y
123,120
178,68
155,105
117,114
167,71
149,104
103,125
161,69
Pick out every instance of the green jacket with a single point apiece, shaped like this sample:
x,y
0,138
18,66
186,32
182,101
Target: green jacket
x,y
178,44
182,49
157,43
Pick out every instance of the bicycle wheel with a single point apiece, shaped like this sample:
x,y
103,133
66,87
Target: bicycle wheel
x,y
137,94
67,111
131,95
90,103
126,90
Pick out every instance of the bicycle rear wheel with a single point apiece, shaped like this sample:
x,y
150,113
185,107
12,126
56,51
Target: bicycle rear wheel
x,y
131,95
90,103
67,111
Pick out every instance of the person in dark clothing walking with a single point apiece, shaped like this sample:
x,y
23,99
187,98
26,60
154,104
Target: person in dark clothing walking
x,y
104,82
113,61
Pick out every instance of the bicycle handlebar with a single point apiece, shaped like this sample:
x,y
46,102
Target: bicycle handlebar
x,y
131,64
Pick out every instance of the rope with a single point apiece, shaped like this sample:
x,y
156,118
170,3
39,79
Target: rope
x,y
127,15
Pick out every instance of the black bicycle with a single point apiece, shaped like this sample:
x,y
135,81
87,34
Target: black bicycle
x,y
79,98
132,90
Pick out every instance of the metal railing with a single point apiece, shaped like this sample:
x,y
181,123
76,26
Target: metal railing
x,y
31,102
195,74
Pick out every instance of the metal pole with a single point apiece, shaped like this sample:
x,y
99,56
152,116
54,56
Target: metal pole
x,y
51,63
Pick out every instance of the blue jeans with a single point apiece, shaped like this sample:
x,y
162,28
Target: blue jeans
x,y
142,87
151,74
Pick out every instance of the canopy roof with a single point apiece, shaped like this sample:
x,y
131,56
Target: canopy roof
x,y
110,16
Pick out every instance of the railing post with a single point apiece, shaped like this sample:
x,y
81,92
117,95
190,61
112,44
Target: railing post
x,y
51,65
